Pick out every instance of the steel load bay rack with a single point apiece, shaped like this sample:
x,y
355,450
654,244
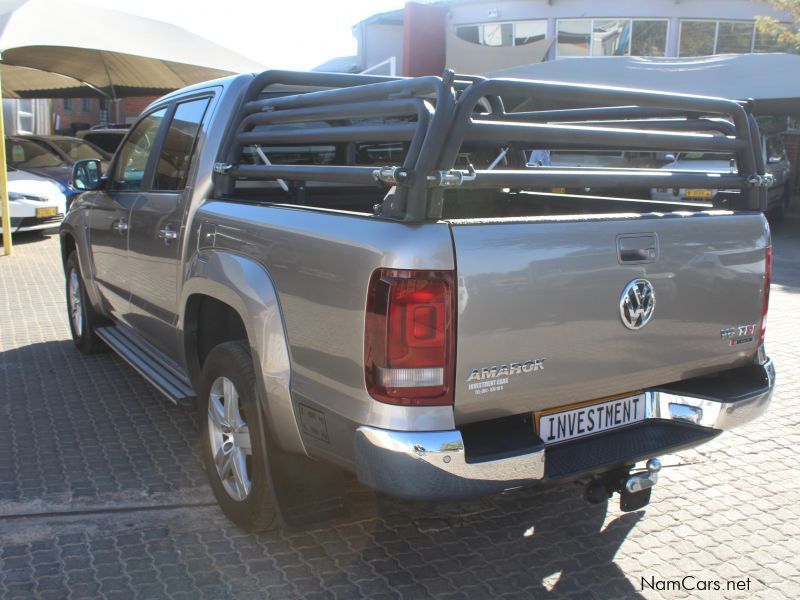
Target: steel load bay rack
x,y
437,117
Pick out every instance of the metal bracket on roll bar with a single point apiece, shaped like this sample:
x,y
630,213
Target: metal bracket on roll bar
x,y
451,178
391,175
222,168
755,180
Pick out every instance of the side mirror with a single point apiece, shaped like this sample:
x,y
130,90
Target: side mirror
x,y
669,157
86,175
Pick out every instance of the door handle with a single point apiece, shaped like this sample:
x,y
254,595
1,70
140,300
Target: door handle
x,y
120,225
168,234
637,248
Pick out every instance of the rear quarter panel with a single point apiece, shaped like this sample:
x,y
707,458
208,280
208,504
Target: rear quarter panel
x,y
321,263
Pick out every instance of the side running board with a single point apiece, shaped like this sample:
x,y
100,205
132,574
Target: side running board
x,y
165,379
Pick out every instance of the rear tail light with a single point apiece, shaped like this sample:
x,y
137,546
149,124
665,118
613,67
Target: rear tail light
x,y
765,294
409,352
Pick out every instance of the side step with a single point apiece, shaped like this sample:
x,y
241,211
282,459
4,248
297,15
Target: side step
x,y
165,379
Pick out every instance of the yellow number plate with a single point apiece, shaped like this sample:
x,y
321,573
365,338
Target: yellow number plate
x,y
559,190
699,193
50,211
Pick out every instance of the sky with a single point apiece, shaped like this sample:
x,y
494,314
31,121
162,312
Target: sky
x,y
291,34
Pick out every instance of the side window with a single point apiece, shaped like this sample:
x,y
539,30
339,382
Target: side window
x,y
176,153
132,161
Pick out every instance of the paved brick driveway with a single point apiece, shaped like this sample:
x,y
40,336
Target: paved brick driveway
x,y
102,493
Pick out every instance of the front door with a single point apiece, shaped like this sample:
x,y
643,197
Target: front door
x,y
157,233
110,215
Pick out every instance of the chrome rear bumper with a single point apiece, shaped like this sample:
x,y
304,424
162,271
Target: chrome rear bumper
x,y
436,464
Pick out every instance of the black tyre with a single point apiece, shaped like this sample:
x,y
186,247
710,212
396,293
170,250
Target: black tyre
x,y
231,437
778,213
82,317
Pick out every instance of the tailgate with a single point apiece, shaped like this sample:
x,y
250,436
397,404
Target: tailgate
x,y
540,321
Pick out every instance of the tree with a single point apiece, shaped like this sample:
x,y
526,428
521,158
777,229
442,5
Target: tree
x,y
776,34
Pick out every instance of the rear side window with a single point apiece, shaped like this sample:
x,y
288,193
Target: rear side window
x,y
172,170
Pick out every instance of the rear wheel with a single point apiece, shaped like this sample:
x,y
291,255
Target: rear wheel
x,y
82,317
231,437
778,214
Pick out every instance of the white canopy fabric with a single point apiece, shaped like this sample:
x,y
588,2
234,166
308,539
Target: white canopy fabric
x,y
772,80
112,51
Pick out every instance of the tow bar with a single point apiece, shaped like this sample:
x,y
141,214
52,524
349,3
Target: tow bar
x,y
634,488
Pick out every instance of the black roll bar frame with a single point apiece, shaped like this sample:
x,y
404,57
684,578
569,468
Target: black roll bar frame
x,y
625,119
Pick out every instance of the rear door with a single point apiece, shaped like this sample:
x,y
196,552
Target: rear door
x,y
156,227
110,214
540,322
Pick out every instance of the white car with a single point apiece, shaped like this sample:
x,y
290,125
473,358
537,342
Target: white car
x,y
35,202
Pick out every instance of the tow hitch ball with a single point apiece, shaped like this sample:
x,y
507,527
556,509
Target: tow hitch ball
x,y
634,488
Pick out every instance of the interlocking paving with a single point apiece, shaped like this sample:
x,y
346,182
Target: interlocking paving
x,y
102,493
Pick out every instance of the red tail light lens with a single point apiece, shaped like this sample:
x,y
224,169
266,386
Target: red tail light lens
x,y
408,350
765,299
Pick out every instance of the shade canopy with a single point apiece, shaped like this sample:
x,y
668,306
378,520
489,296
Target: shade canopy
x,y
772,80
80,50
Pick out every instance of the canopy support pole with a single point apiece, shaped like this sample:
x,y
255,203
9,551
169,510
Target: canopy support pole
x,y
4,207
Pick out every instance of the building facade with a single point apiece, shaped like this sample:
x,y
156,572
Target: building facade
x,y
475,36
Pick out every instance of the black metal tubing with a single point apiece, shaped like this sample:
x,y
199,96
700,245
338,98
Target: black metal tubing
x,y
608,95
554,136
326,173
610,178
409,201
347,133
354,110
672,124
624,119
598,113
541,135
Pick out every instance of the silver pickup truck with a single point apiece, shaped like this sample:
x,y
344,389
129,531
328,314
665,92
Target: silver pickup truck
x,y
355,274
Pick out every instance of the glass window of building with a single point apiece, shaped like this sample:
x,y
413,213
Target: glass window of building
x,y
528,32
612,37
498,34
734,37
702,38
516,33
649,38
769,42
574,37
697,38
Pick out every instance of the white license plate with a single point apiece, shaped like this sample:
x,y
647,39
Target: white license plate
x,y
568,423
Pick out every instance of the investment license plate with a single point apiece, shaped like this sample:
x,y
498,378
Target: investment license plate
x,y
576,421
50,211
706,194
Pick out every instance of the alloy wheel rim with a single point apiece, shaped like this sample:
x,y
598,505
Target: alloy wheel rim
x,y
75,304
230,439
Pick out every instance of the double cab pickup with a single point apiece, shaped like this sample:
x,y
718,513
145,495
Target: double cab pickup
x,y
370,276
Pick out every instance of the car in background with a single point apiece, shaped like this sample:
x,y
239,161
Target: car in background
x,y
51,157
107,137
775,157
69,148
36,203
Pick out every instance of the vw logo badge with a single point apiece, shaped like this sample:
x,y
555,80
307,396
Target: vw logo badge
x,y
637,304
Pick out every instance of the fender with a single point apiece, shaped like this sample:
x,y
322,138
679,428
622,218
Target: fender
x,y
245,285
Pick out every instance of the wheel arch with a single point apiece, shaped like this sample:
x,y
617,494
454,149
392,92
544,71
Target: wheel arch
x,y
235,284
